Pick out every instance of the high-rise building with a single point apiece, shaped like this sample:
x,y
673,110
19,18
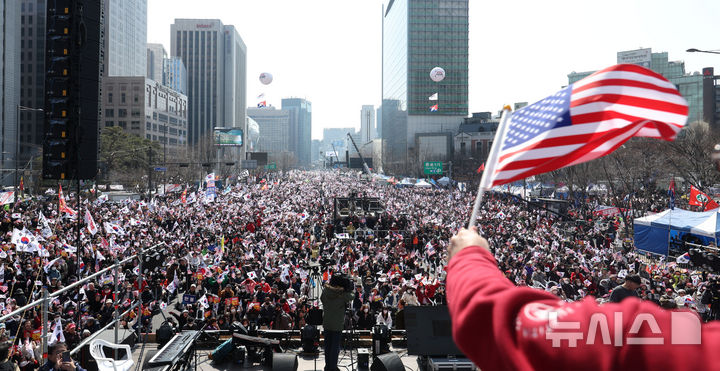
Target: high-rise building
x,y
300,128
367,124
274,127
175,74
156,56
689,85
9,83
32,77
125,37
378,127
216,60
419,35
146,108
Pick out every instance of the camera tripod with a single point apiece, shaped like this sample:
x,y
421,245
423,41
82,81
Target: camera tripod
x,y
351,342
316,277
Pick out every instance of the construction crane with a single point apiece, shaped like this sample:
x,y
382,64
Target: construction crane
x,y
367,169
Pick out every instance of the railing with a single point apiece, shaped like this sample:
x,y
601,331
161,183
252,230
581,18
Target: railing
x,y
47,298
702,246
372,232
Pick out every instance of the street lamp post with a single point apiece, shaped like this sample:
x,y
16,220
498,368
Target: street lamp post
x,y
693,50
17,143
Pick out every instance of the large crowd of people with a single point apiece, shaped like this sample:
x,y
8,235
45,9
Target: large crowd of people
x,y
259,251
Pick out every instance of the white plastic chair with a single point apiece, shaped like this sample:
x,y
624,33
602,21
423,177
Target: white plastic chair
x,y
110,364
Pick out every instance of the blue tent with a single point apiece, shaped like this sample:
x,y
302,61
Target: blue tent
x,y
652,233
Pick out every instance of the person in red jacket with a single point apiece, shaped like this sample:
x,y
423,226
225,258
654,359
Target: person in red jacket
x,y
503,327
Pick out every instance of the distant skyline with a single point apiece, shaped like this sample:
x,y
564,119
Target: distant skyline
x,y
329,52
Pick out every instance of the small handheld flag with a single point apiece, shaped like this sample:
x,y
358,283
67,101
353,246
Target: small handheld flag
x,y
433,97
434,108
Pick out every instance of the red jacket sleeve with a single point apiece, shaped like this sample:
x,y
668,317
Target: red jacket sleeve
x,y
503,327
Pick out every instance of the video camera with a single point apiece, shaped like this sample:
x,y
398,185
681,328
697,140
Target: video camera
x,y
344,281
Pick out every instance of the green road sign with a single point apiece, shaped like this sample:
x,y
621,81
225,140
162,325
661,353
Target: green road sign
x,y
433,167
272,166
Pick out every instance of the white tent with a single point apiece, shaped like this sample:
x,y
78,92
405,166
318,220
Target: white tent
x,y
422,184
652,232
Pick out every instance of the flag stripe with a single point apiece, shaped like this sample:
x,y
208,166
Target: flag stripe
x,y
623,82
602,88
652,104
632,72
623,116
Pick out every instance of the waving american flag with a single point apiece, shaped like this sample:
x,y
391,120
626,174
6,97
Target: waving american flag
x,y
586,120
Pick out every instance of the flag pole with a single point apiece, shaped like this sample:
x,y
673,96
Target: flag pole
x,y
490,164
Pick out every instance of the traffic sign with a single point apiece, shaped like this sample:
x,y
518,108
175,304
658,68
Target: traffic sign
x,y
433,167
160,169
271,166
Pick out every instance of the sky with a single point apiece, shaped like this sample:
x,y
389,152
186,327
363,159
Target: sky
x,y
329,51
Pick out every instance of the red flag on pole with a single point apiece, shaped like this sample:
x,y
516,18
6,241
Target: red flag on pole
x,y
698,198
63,204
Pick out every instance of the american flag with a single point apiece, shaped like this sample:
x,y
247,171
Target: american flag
x,y
587,120
434,108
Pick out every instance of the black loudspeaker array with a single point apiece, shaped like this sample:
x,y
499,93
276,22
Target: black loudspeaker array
x,y
73,60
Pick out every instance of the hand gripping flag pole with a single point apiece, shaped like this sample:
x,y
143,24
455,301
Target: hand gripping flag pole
x,y
490,164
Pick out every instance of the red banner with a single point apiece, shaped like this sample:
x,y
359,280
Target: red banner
x,y
698,198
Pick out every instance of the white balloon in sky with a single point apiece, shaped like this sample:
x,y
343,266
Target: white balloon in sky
x,y
437,74
266,78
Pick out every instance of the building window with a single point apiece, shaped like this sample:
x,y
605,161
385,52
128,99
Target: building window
x,y
109,124
148,126
147,136
122,124
135,125
122,97
122,112
109,113
109,97
136,112
135,98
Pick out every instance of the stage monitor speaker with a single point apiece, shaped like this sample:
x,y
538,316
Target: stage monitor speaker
x,y
284,362
387,362
429,331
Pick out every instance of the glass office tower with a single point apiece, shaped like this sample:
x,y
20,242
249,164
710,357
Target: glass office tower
x,y
417,36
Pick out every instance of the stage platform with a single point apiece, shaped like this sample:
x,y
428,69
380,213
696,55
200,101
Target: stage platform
x,y
305,363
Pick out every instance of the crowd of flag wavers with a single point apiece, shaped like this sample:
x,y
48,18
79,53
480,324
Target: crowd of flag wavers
x,y
258,252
